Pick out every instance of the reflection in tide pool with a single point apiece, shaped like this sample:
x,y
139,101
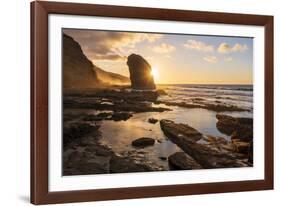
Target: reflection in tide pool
x,y
119,135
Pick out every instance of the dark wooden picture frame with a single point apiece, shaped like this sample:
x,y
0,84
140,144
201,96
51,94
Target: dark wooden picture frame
x,y
39,102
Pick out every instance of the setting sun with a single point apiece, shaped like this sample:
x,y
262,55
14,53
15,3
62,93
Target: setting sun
x,y
154,72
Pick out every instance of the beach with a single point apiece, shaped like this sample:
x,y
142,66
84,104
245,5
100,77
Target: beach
x,y
101,125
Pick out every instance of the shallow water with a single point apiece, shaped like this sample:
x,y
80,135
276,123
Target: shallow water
x,y
119,135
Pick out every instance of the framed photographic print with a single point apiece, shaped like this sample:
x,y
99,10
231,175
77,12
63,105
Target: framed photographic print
x,y
133,102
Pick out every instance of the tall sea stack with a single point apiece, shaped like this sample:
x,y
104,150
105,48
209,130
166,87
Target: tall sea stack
x,y
140,73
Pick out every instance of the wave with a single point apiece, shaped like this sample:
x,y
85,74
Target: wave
x,y
214,86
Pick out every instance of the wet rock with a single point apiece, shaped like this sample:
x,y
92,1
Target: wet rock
x,y
223,108
117,105
90,158
77,130
140,73
103,151
87,155
181,161
85,168
173,130
121,165
215,140
226,124
118,116
93,118
121,94
143,142
199,104
206,155
237,128
152,120
241,147
105,115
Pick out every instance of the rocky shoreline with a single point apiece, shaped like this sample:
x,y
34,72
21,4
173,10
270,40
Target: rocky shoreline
x,y
84,153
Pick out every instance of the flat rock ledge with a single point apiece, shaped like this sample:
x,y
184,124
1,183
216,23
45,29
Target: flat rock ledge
x,y
206,155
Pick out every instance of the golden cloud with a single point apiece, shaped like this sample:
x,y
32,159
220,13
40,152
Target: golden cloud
x,y
211,59
109,45
226,48
198,45
164,48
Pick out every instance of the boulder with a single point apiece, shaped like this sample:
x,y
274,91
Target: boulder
x,y
118,116
238,128
140,73
181,161
152,120
143,142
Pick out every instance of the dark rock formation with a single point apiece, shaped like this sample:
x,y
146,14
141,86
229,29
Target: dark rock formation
x,y
77,68
212,107
122,164
85,154
207,156
116,116
80,73
143,142
173,130
181,161
117,94
240,146
238,128
152,120
72,131
98,117
241,132
140,73
113,100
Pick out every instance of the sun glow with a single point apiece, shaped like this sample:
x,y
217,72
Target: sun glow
x,y
154,72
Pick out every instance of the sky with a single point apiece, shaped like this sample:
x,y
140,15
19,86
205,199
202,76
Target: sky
x,y
174,58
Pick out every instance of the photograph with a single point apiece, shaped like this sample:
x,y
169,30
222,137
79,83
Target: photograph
x,y
143,102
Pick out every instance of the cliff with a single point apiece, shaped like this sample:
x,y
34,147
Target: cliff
x,y
80,73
